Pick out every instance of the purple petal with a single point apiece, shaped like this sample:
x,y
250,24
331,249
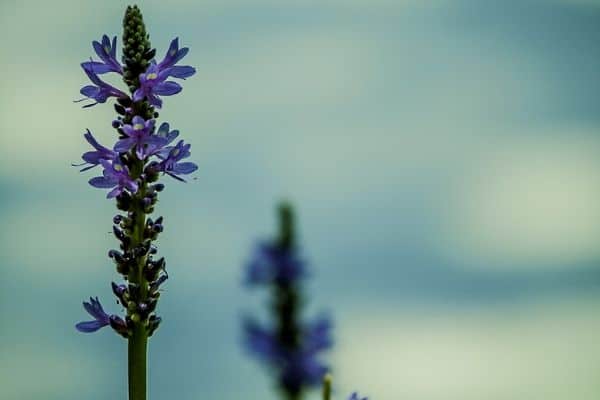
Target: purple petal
x,y
124,145
184,168
132,186
97,67
167,88
89,91
115,192
155,101
90,326
182,72
137,120
102,182
138,94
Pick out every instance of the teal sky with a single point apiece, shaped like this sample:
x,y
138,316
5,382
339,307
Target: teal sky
x,y
444,158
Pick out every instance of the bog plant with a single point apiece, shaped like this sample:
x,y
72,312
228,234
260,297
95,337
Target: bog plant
x,y
131,169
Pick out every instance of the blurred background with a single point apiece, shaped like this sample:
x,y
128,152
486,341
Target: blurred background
x,y
443,155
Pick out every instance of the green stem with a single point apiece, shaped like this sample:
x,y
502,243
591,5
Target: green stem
x,y
138,350
138,341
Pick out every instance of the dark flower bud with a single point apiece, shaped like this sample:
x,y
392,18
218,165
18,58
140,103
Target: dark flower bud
x,y
154,286
153,323
120,110
119,234
117,219
116,123
115,254
119,291
143,309
123,201
119,325
159,187
157,228
149,55
124,101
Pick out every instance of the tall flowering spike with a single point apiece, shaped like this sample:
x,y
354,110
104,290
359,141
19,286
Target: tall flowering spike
x,y
289,346
130,171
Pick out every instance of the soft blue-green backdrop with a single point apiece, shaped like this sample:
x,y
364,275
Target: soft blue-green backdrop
x,y
444,156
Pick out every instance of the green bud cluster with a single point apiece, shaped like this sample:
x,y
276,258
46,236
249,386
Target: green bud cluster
x,y
137,51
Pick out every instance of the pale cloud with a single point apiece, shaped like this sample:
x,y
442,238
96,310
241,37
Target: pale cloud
x,y
521,354
527,200
36,371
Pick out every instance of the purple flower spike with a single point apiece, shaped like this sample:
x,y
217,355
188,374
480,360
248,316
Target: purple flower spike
x,y
355,396
101,319
92,158
140,136
108,54
101,91
171,165
116,177
153,83
175,54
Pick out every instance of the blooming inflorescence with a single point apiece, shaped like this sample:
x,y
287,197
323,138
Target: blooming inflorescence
x,y
131,168
290,347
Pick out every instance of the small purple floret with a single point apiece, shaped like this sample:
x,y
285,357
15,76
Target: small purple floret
x,y
108,54
355,396
170,164
154,83
139,135
101,319
92,158
101,90
116,177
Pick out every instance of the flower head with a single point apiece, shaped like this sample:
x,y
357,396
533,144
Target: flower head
x,y
115,176
154,83
167,137
92,158
101,91
174,54
139,135
170,164
101,319
271,263
108,54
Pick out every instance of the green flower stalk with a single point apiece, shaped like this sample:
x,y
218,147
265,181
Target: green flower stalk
x,y
131,170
